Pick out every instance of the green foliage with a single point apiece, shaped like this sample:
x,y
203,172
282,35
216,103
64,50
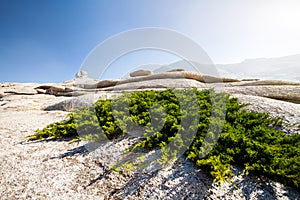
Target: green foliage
x,y
166,120
62,129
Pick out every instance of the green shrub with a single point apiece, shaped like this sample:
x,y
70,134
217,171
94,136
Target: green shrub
x,y
56,130
247,138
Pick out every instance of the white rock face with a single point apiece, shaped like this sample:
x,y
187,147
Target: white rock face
x,y
81,74
140,72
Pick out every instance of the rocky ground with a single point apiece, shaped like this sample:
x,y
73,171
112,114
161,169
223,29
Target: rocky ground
x,y
55,169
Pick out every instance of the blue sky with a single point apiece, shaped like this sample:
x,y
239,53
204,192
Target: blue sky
x,y
47,41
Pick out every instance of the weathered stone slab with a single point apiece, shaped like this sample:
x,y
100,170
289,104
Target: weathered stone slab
x,y
22,90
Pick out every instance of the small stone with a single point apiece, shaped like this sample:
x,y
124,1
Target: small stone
x,y
176,70
2,94
68,89
140,72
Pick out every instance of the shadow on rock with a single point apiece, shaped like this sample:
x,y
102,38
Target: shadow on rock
x,y
182,180
72,152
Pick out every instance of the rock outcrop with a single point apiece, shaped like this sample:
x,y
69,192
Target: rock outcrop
x,y
48,169
178,78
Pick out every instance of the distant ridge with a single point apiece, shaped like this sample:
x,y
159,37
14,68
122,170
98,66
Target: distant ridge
x,y
279,68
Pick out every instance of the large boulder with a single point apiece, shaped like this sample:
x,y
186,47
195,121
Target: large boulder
x,y
81,74
106,83
140,72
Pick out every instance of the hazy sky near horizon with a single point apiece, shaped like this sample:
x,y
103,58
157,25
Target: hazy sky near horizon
x,y
47,41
